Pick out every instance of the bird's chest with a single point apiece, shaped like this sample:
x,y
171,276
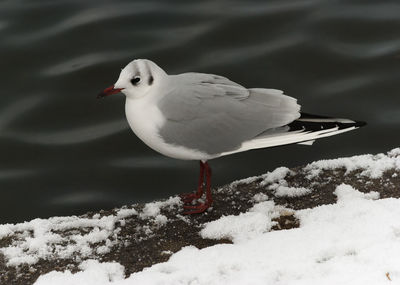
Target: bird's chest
x,y
144,119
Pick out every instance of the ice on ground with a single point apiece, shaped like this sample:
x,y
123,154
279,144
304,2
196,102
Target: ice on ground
x,y
355,241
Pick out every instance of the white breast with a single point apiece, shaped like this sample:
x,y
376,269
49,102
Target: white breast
x,y
145,119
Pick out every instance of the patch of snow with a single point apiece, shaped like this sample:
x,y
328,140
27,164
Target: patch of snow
x,y
6,230
186,219
153,209
275,176
345,192
260,197
243,226
312,173
41,238
270,177
277,183
372,166
394,152
355,241
247,180
125,213
161,220
92,272
285,191
75,237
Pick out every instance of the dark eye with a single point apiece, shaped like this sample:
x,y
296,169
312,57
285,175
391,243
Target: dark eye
x,y
135,80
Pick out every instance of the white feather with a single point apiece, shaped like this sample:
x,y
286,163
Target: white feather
x,y
288,138
307,142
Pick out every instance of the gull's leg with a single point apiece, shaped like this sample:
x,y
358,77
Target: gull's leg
x,y
189,197
200,208
209,199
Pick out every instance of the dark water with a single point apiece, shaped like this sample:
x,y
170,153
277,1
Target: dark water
x,y
64,152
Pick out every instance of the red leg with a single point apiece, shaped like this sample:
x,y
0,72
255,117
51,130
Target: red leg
x,y
187,198
202,207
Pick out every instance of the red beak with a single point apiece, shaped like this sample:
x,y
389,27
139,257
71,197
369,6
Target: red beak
x,y
109,91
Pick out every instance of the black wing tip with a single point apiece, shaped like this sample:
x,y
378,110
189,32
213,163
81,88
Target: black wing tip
x,y
316,125
360,124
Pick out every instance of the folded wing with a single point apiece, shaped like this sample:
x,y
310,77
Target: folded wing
x,y
215,115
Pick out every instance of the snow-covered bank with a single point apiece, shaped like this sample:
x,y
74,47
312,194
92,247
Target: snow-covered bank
x,y
346,234
356,241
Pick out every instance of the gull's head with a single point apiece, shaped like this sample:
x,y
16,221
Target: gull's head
x,y
136,79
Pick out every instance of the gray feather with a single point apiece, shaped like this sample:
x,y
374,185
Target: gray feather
x,y
212,114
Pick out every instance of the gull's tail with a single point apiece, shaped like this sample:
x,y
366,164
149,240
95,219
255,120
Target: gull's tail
x,y
322,126
304,130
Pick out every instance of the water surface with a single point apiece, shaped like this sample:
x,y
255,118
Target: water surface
x,y
64,152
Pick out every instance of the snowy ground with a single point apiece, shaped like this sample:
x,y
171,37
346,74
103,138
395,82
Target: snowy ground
x,y
353,240
356,241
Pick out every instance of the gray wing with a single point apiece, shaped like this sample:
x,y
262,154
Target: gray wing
x,y
212,114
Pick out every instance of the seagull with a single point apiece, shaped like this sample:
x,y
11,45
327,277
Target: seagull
x,y
199,116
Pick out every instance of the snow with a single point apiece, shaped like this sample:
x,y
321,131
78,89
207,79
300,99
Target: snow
x,y
260,197
284,191
270,177
39,238
92,272
275,176
153,209
355,241
372,166
244,181
343,192
244,226
276,182
75,237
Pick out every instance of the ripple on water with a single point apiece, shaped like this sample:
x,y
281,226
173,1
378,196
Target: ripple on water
x,y
57,53
378,11
390,117
84,61
15,110
354,84
72,136
237,54
166,37
363,50
3,25
80,198
145,162
79,19
16,173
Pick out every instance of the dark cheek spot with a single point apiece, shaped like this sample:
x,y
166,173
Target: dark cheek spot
x,y
151,79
